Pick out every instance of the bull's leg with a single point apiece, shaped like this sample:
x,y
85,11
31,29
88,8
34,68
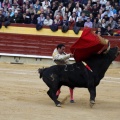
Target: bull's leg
x,y
48,92
92,91
52,95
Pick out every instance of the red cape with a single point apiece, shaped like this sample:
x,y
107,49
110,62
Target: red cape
x,y
86,45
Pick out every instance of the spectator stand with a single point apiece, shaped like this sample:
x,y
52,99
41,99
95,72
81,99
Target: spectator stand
x,y
20,19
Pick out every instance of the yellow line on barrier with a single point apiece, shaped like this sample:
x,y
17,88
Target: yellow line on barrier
x,y
33,31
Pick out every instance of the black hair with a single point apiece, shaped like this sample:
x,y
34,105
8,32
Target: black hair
x,y
60,46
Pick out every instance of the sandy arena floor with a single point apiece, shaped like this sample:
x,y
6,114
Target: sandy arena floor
x,y
23,97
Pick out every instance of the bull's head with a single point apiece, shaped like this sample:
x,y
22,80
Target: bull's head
x,y
113,52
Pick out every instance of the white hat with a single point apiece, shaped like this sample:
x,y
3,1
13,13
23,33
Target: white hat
x,y
16,11
107,8
10,8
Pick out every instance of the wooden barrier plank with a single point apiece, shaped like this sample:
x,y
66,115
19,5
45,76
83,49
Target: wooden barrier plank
x,y
39,45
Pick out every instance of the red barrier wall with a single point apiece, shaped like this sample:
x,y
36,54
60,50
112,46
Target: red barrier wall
x,y
38,45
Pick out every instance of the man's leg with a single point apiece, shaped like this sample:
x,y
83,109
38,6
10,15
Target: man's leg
x,y
58,93
71,95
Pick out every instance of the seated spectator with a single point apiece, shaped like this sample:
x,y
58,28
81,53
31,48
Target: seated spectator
x,y
98,4
51,16
113,9
6,4
65,21
115,17
100,11
60,16
2,17
62,7
103,8
1,1
73,17
84,17
15,4
80,23
118,14
99,18
20,2
48,21
15,18
27,2
108,12
10,12
60,11
57,20
14,7
8,17
88,23
67,11
86,11
33,19
91,17
117,6
31,9
23,8
53,7
118,24
95,23
45,4
99,30
28,13
89,6
102,24
95,10
37,6
25,19
108,31
19,13
77,10
103,2
5,9
108,5
40,19
48,10
111,22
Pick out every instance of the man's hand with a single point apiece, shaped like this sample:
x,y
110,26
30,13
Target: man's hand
x,y
71,55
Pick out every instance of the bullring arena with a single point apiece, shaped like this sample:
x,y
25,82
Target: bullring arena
x,y
23,95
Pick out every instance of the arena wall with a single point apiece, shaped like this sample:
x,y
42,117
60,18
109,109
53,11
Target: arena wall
x,y
19,40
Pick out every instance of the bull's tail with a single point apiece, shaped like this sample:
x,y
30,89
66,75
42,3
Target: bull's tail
x,y
40,71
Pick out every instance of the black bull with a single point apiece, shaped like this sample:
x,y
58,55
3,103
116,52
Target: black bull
x,y
77,75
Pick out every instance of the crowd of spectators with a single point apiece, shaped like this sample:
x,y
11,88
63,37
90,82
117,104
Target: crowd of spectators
x,y
104,15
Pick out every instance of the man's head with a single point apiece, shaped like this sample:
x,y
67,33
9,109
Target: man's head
x,y
61,48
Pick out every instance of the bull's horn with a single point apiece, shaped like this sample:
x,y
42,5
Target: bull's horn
x,y
108,48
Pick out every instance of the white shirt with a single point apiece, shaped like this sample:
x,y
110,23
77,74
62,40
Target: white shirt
x,y
60,59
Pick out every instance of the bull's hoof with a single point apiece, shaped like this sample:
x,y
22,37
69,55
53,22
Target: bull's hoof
x,y
58,105
92,102
72,101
